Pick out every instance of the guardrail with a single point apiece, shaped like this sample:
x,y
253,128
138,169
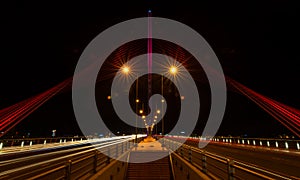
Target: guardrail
x,y
218,167
275,143
73,166
32,141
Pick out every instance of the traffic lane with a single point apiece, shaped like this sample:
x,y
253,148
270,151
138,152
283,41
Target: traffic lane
x,y
276,161
25,161
32,159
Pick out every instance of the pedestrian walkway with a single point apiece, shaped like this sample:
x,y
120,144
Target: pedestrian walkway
x,y
149,160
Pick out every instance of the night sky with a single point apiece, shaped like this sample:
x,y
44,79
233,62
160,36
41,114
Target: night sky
x,y
256,42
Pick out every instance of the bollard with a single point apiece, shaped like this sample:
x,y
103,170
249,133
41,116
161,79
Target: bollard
x,y
65,140
238,141
298,146
72,140
243,142
22,144
45,142
276,144
254,142
268,143
68,170
230,164
286,145
248,142
80,139
30,144
1,145
260,143
60,141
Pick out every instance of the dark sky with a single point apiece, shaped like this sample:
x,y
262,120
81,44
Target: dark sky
x,y
256,42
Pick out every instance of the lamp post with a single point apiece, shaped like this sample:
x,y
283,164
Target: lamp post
x,y
157,112
172,71
162,105
136,107
126,70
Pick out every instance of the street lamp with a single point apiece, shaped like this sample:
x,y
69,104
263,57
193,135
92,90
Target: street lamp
x,y
173,70
53,132
126,70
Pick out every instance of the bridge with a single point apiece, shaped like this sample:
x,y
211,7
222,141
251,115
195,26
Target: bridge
x,y
152,158
150,150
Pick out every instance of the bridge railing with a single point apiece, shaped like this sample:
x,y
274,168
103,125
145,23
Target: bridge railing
x,y
33,141
218,167
76,165
263,142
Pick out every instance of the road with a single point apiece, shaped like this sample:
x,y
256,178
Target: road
x,y
277,160
25,164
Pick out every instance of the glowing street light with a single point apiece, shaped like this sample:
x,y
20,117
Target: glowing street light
x,y
158,111
125,69
173,70
141,111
